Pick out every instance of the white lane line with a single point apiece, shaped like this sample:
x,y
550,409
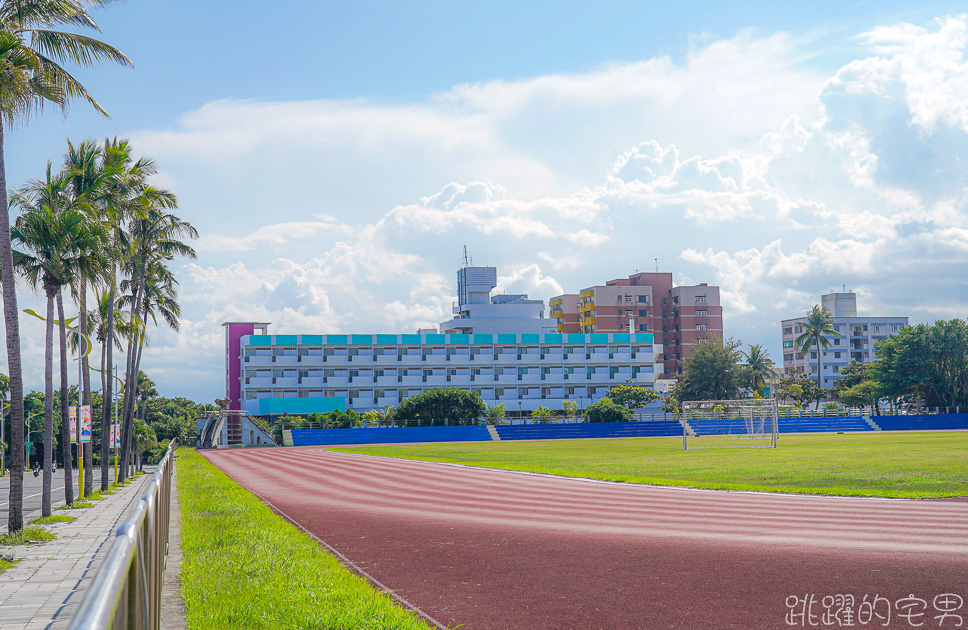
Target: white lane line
x,y
30,496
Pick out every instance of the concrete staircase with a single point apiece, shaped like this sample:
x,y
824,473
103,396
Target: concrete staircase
x,y
873,424
493,432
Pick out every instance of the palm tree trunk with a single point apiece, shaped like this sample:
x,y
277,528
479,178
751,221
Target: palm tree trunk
x,y
65,403
108,390
15,517
45,499
86,389
819,370
130,382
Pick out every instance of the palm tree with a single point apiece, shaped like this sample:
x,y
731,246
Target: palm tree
x,y
30,75
817,327
154,241
145,391
759,367
144,440
54,242
87,179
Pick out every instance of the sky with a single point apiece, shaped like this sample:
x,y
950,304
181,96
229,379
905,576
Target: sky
x,y
337,157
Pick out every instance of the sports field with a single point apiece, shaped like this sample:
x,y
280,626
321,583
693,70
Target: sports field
x,y
908,465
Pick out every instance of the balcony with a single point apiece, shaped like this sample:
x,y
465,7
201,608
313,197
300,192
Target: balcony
x,y
387,401
312,381
459,380
386,359
292,360
285,381
529,378
435,359
257,361
410,379
410,359
439,380
258,381
337,381
588,321
507,379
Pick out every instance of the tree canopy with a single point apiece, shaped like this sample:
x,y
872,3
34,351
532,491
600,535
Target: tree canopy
x,y
607,410
632,396
442,406
927,363
712,372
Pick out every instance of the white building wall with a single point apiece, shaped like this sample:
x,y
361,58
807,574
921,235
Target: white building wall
x,y
522,371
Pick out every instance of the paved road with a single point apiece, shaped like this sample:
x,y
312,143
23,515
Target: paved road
x,y
32,493
501,550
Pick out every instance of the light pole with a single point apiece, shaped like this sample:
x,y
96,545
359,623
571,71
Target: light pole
x,y
520,413
27,433
581,408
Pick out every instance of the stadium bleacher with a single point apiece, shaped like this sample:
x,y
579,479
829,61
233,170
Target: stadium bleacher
x,y
658,428
922,422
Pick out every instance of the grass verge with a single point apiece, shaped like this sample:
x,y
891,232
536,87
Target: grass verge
x,y
246,567
76,505
6,564
29,535
906,465
53,518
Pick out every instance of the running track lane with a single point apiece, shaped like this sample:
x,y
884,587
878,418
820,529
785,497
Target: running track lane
x,y
498,550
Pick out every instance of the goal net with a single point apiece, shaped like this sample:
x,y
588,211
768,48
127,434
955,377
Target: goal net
x,y
731,423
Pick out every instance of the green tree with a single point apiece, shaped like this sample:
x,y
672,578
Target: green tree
x,y
570,408
817,327
927,363
607,410
496,414
712,372
863,394
53,244
758,371
541,415
632,396
371,419
443,406
31,53
798,387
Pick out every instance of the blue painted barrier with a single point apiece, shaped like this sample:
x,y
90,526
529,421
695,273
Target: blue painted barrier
x,y
922,422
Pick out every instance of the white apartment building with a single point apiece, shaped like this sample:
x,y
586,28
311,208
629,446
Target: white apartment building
x,y
858,338
301,374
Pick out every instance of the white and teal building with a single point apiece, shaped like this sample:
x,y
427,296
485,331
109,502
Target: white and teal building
x,y
300,374
500,347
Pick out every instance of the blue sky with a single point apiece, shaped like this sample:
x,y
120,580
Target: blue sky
x,y
337,156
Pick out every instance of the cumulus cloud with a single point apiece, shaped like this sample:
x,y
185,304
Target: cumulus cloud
x,y
740,165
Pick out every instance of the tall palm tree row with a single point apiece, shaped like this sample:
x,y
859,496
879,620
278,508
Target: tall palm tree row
x,y
817,327
155,240
31,74
759,366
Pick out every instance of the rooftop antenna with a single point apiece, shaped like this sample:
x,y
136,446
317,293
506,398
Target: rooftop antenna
x,y
657,265
465,260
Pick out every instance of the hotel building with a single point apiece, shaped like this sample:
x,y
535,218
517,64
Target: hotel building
x,y
858,338
678,317
502,350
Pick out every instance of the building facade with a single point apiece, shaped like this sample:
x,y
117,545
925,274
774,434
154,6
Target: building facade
x,y
301,374
477,311
858,338
678,317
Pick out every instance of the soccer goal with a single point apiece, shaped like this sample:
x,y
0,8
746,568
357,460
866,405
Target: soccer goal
x,y
735,423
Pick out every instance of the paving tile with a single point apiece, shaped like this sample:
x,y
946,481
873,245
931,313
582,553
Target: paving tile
x,y
45,587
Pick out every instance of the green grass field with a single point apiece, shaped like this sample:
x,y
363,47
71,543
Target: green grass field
x,y
909,465
246,567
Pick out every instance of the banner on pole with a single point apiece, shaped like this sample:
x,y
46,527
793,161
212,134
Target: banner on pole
x,y
115,436
85,426
72,414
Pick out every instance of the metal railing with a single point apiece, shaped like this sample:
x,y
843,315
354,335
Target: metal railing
x,y
126,590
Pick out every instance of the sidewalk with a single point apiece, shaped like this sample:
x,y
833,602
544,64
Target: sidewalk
x,y
47,584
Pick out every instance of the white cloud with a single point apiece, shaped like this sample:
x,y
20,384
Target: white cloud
x,y
742,166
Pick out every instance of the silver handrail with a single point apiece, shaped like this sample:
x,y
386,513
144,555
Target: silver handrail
x,y
126,590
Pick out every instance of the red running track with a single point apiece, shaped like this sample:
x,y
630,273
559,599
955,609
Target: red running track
x,y
498,550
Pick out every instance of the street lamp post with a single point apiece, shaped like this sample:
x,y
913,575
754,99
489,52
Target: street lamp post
x,y
581,408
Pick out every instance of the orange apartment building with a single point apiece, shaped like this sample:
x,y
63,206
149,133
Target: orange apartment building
x,y
678,317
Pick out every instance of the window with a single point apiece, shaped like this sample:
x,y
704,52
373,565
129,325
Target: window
x,y
788,344
665,300
642,313
700,313
628,313
665,329
643,327
628,299
642,299
701,340
788,330
788,356
813,355
700,299
665,314
675,329
701,327
836,355
836,342
675,300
